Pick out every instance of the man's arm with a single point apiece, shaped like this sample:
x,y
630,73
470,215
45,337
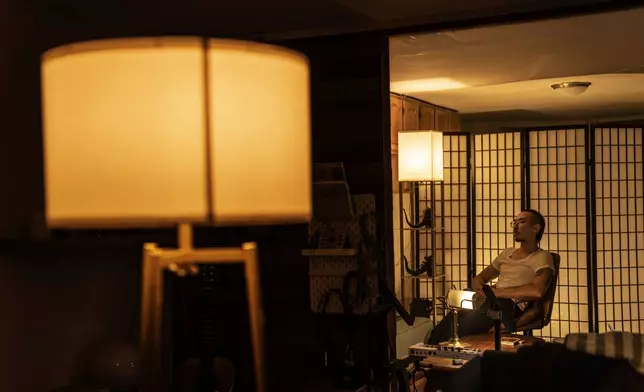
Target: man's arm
x,y
485,276
528,292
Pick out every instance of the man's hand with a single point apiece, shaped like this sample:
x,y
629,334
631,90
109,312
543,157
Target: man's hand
x,y
477,285
485,276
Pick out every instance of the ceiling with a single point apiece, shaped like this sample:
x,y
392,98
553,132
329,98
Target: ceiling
x,y
276,19
505,72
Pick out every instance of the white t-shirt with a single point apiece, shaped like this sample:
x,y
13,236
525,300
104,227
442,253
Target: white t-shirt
x,y
513,273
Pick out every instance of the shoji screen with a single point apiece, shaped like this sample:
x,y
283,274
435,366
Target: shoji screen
x,y
497,194
557,178
619,223
451,203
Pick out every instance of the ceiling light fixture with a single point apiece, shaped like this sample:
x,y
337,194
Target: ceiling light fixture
x,y
571,88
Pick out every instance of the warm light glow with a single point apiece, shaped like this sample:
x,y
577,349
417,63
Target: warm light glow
x,y
147,132
420,156
461,299
423,85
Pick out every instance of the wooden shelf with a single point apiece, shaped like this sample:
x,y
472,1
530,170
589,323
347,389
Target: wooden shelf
x,y
329,252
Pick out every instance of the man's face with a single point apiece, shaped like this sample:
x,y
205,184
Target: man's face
x,y
524,227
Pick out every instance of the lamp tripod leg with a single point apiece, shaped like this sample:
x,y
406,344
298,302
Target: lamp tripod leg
x,y
151,313
154,371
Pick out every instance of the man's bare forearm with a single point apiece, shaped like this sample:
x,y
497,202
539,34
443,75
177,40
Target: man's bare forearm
x,y
528,292
487,274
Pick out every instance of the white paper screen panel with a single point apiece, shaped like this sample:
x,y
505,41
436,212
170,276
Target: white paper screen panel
x,y
558,190
497,178
619,208
451,205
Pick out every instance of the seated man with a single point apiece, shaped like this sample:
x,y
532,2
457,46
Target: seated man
x,y
524,274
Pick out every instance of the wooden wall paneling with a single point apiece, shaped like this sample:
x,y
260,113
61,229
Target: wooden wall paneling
x,y
427,117
396,120
396,126
442,119
454,122
410,114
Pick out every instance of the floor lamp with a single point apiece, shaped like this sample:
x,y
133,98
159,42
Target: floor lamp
x,y
177,131
420,159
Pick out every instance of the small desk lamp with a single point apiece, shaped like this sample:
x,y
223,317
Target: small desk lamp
x,y
158,132
456,301
420,158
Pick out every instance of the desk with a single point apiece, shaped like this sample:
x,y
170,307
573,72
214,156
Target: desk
x,y
442,368
481,342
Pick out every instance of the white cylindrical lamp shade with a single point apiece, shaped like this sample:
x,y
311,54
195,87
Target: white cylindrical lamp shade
x,y
420,156
157,131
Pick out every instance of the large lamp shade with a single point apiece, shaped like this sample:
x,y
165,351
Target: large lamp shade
x,y
420,156
156,131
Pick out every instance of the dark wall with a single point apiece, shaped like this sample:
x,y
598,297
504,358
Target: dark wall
x,y
60,297
350,109
20,173
57,302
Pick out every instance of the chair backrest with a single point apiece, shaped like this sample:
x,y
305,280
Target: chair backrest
x,y
549,297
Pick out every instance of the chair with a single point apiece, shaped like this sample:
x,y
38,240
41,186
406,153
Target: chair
x,y
545,305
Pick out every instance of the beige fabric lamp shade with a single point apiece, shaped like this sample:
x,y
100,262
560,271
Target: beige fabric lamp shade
x,y
157,131
420,156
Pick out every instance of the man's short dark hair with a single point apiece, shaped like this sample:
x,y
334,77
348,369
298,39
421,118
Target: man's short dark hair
x,y
537,219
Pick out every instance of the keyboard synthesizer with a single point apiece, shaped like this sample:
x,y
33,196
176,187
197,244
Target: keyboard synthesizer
x,y
429,350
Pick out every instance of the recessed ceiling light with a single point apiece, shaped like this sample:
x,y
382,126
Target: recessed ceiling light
x,y
571,88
